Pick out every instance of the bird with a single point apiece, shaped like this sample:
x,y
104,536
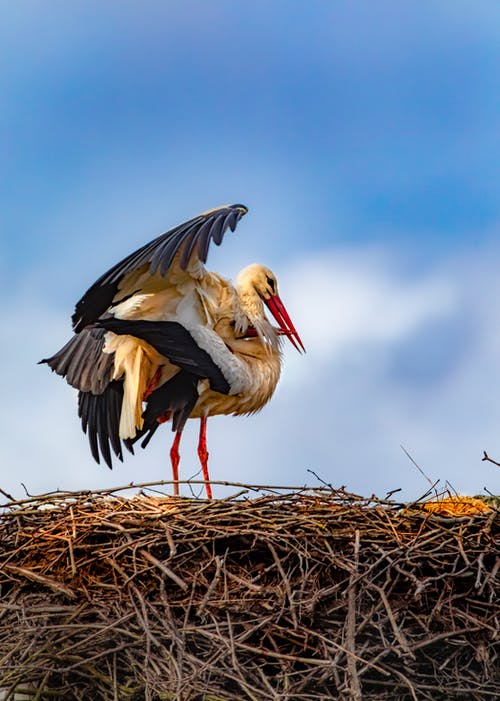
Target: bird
x,y
160,338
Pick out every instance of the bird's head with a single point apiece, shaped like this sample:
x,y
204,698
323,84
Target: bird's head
x,y
257,285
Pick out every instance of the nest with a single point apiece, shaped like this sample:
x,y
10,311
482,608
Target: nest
x,y
309,594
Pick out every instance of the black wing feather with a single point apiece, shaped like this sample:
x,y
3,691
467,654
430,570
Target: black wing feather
x,y
100,416
232,220
178,396
90,420
102,431
215,234
113,422
158,254
174,342
196,237
83,409
206,235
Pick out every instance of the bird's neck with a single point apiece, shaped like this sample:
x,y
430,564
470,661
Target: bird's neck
x,y
253,314
251,304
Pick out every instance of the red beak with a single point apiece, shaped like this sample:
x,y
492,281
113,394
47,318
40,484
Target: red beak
x,y
277,309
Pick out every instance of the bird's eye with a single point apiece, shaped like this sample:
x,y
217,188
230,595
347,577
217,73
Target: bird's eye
x,y
271,284
232,323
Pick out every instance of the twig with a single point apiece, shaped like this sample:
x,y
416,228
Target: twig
x,y
352,672
487,457
41,579
166,570
6,494
417,466
211,588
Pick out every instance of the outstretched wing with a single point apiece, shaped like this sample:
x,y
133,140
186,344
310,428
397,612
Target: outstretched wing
x,y
189,239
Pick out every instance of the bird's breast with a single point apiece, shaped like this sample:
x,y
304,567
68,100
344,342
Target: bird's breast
x,y
264,375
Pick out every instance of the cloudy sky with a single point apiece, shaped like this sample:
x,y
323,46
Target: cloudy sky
x,y
363,137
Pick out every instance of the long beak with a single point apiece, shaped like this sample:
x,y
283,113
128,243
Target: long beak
x,y
286,327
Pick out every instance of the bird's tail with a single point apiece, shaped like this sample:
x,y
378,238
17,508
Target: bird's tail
x,y
136,362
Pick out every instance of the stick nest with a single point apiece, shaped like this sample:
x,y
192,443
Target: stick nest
x,y
309,594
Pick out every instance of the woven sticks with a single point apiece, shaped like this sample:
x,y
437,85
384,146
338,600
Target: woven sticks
x,y
304,594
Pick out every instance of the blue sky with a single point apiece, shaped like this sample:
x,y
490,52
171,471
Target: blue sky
x,y
364,138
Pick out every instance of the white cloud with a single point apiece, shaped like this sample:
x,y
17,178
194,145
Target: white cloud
x,y
346,298
341,410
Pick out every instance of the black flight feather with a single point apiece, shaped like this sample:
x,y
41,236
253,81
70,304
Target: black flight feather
x,y
100,416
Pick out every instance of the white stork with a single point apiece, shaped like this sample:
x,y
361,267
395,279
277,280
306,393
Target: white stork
x,y
160,338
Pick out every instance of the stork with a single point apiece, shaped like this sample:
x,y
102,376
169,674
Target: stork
x,y
159,338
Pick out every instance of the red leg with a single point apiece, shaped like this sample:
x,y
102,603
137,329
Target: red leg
x,y
152,385
203,455
175,459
